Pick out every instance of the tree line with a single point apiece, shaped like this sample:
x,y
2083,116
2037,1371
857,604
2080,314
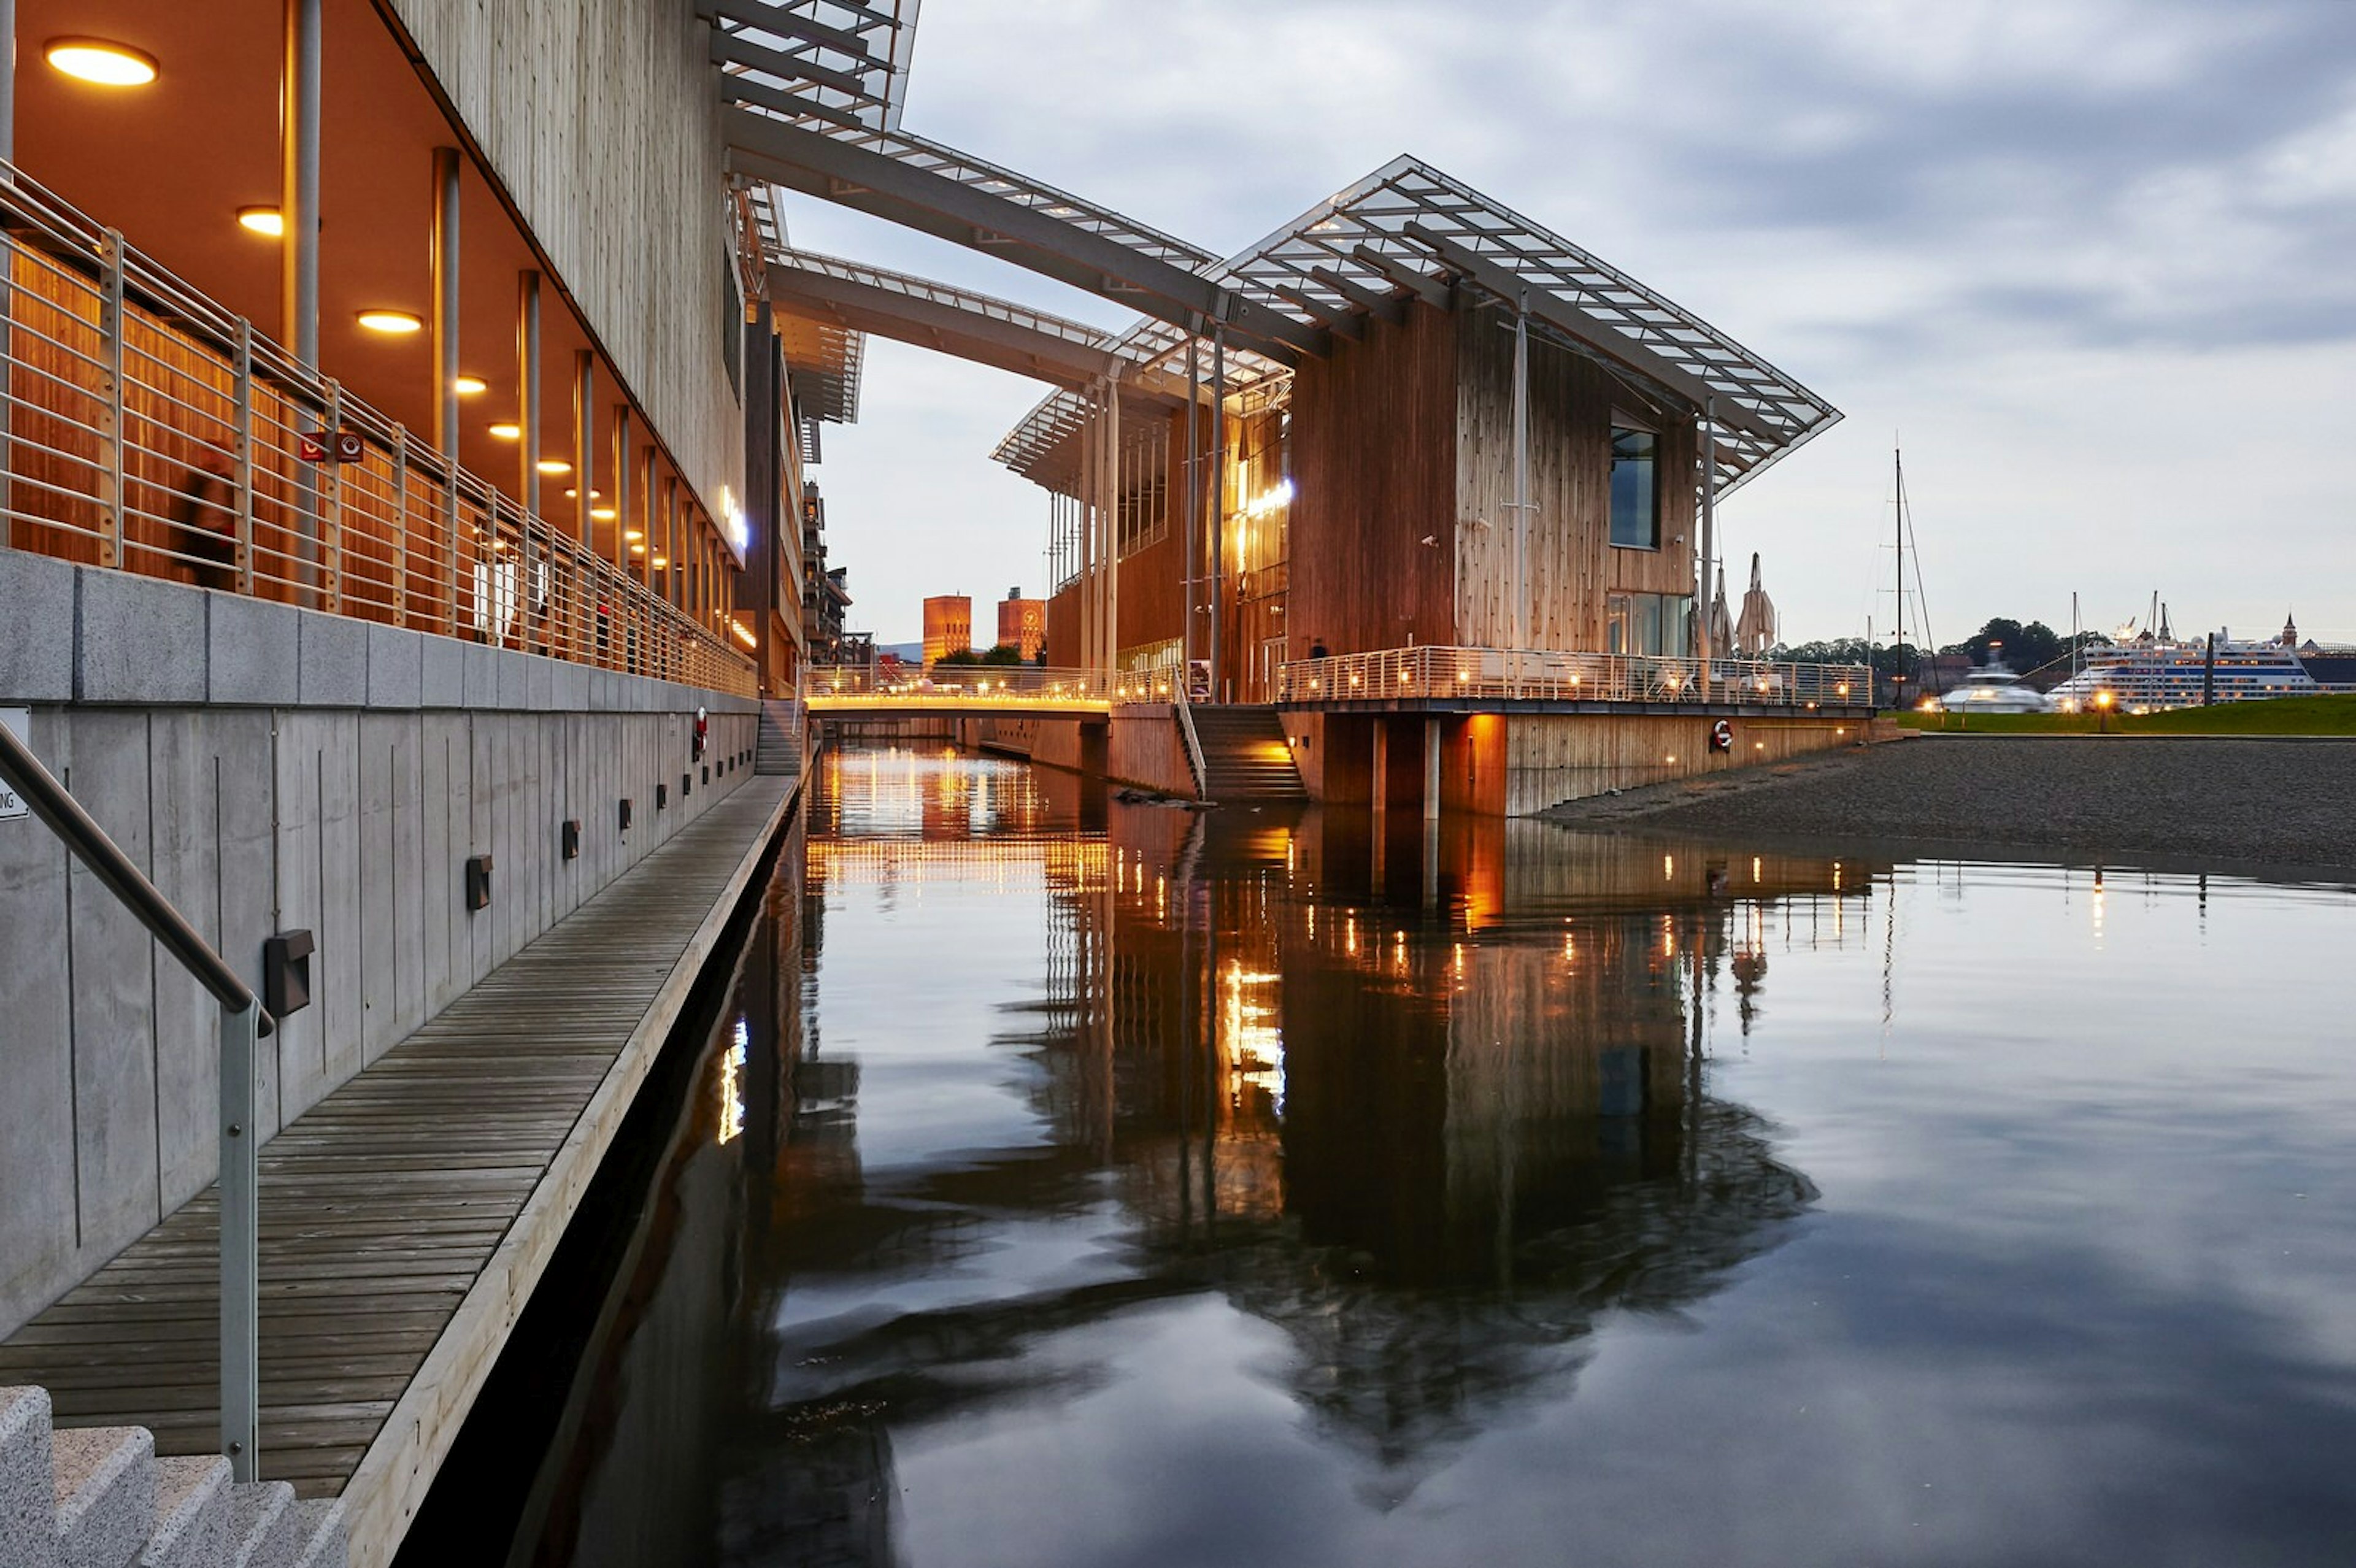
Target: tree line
x,y
2024,648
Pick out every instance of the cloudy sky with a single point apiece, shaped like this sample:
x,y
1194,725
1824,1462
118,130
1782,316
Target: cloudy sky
x,y
2092,261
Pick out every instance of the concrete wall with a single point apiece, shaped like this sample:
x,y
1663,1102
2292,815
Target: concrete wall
x,y
1144,746
271,769
1520,764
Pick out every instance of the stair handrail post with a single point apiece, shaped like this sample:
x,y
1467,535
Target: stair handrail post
x,y
240,1243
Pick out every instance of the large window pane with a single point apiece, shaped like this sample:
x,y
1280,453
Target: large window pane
x,y
1635,498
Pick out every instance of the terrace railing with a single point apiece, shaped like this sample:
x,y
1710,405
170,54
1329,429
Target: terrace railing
x,y
1433,672
146,429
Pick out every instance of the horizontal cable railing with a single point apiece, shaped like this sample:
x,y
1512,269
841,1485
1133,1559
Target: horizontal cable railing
x,y
1435,672
145,428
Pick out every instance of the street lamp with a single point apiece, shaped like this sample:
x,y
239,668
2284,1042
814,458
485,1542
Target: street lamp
x,y
2102,700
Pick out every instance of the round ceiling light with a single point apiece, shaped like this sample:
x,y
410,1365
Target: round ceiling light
x,y
265,220
399,323
99,61
506,432
469,386
604,514
554,465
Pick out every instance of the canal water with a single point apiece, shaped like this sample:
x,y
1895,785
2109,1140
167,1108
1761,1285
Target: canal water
x,y
1067,1182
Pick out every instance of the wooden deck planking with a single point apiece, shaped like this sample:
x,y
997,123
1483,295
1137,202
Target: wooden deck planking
x,y
389,1207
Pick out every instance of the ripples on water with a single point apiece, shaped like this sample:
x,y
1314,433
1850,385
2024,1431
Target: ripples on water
x,y
1084,1184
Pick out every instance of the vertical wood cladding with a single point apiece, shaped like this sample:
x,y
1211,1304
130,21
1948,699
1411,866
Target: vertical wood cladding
x,y
1374,462
601,123
1572,564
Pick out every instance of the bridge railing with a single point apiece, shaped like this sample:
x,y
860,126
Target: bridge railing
x,y
146,429
1434,672
979,686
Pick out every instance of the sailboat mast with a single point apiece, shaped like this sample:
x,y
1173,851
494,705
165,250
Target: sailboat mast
x,y
1898,639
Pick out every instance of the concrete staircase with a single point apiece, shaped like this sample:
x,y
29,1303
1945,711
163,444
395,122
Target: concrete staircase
x,y
777,749
99,1497
1245,757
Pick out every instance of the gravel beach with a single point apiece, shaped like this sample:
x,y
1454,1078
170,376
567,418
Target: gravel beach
x,y
2228,805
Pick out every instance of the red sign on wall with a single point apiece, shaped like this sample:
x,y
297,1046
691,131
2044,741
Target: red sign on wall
x,y
330,446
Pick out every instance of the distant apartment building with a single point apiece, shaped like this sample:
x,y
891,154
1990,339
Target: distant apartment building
x,y
826,593
1023,622
948,626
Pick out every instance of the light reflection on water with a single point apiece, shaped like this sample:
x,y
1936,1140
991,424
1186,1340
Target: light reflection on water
x,y
1160,1187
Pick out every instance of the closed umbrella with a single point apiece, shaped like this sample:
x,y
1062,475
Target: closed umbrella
x,y
1757,631
1721,625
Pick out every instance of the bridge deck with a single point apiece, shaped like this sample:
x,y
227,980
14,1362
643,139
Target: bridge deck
x,y
406,1217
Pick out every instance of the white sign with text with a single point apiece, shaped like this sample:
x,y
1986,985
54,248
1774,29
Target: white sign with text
x,y
20,723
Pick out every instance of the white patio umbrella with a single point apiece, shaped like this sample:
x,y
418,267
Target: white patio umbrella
x,y
1757,631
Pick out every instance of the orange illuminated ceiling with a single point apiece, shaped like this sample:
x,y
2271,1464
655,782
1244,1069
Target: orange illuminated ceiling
x,y
170,164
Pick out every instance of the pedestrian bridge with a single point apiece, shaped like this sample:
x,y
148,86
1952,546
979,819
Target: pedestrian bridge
x,y
979,688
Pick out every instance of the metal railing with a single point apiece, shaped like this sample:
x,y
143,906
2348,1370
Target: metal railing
x,y
243,1024
985,687
1434,672
145,428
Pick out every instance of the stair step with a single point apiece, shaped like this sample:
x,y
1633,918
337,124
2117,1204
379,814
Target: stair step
x,y
28,1504
264,1534
104,1493
320,1529
192,1514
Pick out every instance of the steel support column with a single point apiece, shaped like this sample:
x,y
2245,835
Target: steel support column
x,y
298,195
528,390
1218,499
445,301
584,446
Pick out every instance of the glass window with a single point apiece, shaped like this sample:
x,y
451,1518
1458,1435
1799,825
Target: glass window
x,y
1635,498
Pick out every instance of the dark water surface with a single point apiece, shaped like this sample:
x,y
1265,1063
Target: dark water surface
x,y
1074,1183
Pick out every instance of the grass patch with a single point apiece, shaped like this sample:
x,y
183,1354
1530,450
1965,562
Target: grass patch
x,y
2322,715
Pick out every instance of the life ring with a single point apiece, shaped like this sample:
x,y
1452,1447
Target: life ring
x,y
1722,736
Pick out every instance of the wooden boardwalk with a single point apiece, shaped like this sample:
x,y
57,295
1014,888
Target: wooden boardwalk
x,y
406,1217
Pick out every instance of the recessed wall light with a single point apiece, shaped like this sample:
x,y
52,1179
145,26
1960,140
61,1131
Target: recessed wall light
x,y
506,431
101,61
265,220
554,465
469,386
399,323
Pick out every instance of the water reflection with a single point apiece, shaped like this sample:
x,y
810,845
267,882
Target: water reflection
x,y
1100,1183
1427,1127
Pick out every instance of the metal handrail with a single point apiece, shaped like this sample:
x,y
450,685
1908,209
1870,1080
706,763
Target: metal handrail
x,y
1193,743
243,1023
89,841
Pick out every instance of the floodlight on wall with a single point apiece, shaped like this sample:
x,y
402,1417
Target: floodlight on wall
x,y
393,323
99,61
479,882
626,813
267,221
286,972
569,839
662,796
686,785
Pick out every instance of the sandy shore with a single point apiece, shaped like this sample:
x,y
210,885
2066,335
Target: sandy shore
x,y
2190,803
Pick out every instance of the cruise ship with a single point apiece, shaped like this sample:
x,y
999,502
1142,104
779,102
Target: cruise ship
x,y
2156,673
